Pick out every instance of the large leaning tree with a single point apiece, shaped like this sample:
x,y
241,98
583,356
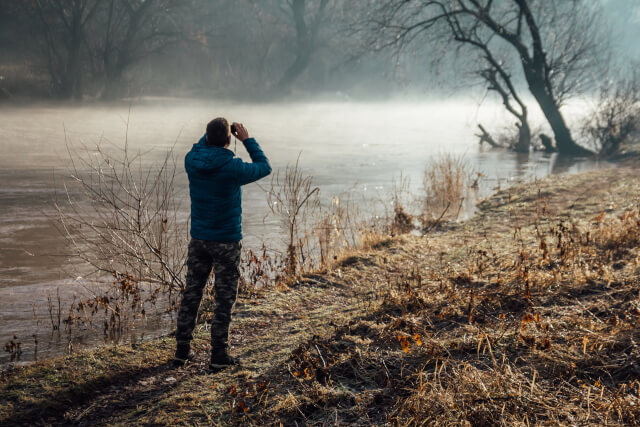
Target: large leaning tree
x,y
551,41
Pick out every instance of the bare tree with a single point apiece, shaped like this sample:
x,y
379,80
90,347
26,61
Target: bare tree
x,y
62,29
615,122
100,40
307,36
130,31
96,48
549,40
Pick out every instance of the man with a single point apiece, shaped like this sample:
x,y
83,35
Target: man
x,y
215,180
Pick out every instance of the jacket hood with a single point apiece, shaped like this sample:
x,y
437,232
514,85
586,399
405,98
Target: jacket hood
x,y
203,157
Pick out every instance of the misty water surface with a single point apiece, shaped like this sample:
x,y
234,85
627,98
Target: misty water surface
x,y
358,148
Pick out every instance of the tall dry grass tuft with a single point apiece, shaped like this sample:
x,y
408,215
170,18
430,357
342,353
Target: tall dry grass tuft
x,y
401,221
618,233
337,230
447,180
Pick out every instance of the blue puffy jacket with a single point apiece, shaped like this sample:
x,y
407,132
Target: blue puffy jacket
x,y
215,178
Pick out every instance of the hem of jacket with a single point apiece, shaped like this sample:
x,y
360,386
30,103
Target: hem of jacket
x,y
218,239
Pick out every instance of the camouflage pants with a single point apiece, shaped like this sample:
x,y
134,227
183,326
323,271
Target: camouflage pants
x,y
224,258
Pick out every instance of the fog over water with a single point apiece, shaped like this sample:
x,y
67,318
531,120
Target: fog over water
x,y
351,149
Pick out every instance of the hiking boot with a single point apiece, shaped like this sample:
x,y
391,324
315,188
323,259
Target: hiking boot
x,y
221,360
183,354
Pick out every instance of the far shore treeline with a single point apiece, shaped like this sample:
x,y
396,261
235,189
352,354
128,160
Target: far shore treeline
x,y
269,50
107,49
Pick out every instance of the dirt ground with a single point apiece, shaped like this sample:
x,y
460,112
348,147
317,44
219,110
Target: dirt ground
x,y
526,314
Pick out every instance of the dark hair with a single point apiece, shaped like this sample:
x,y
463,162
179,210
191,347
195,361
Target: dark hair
x,y
218,132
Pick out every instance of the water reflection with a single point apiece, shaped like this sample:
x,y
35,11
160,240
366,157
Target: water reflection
x,y
566,164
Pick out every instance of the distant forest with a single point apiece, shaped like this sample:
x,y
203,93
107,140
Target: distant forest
x,y
110,49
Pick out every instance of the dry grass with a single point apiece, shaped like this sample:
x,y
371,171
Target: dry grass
x,y
527,314
339,230
40,391
534,326
447,181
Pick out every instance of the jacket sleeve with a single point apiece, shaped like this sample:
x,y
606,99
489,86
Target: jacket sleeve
x,y
259,168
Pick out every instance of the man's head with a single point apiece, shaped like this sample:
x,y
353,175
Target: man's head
x,y
218,132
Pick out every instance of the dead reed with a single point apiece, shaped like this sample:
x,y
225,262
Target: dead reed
x,y
447,180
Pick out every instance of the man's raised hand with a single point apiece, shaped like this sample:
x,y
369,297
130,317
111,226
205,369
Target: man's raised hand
x,y
241,132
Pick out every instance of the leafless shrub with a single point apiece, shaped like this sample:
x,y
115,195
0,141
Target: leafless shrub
x,y
293,199
124,219
446,183
616,119
317,234
390,213
121,218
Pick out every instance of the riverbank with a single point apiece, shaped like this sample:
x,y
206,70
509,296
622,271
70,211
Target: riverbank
x,y
527,313
357,161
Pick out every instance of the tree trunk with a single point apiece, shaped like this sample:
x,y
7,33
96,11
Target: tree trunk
x,y
524,137
536,71
119,55
547,143
71,82
293,72
113,72
112,85
486,137
564,141
306,34
304,46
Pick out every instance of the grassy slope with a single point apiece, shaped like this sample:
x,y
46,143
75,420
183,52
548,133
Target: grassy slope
x,y
483,323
